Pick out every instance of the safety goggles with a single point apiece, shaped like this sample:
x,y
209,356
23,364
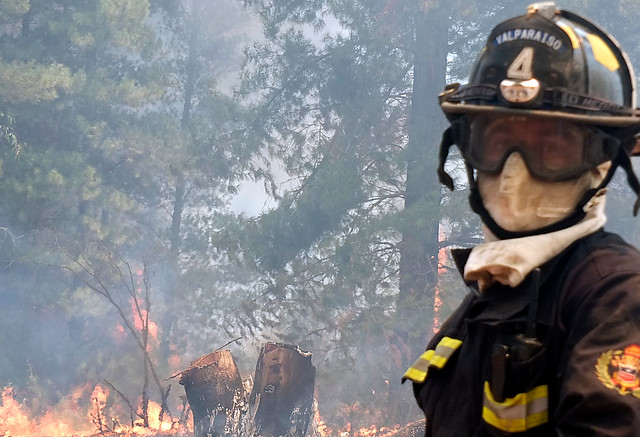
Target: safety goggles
x,y
552,149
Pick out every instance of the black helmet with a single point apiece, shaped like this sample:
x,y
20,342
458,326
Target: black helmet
x,y
554,64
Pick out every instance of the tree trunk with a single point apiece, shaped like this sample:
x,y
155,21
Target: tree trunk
x,y
419,248
282,398
216,395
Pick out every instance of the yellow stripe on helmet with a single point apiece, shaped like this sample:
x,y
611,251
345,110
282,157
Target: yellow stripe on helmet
x,y
602,52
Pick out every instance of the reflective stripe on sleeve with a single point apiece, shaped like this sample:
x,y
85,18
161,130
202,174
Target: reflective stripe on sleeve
x,y
519,413
432,358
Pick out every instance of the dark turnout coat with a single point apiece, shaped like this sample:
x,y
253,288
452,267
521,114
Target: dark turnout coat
x,y
572,370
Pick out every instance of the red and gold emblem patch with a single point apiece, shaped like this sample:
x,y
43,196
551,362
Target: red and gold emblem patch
x,y
620,370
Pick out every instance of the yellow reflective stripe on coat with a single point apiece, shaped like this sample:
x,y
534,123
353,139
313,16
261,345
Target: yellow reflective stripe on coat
x,y
519,413
432,358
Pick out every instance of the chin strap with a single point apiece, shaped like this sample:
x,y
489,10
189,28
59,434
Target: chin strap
x,y
454,134
445,146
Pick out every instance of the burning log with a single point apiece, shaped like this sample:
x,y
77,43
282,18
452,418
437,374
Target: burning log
x,y
281,401
216,394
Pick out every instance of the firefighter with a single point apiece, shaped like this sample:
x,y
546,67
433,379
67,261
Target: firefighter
x,y
547,342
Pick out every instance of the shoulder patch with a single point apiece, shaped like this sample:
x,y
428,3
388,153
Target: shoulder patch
x,y
620,370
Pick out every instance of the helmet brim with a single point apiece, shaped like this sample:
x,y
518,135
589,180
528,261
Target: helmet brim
x,y
590,119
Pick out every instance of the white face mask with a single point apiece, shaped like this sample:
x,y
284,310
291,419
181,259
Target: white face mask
x,y
518,202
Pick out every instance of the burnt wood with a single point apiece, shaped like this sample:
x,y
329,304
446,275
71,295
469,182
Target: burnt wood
x,y
215,392
281,401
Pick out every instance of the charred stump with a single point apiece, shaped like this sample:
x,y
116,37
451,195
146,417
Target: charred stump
x,y
215,392
281,401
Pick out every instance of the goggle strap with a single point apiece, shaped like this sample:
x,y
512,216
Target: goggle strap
x,y
445,146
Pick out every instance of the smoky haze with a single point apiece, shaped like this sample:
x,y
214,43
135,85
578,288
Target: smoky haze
x,y
177,174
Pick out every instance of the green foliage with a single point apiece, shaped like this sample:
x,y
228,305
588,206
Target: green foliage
x,y
71,88
10,9
122,18
279,235
28,82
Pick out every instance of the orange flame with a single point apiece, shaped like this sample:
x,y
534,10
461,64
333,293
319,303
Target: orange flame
x,y
68,419
64,420
442,269
347,429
